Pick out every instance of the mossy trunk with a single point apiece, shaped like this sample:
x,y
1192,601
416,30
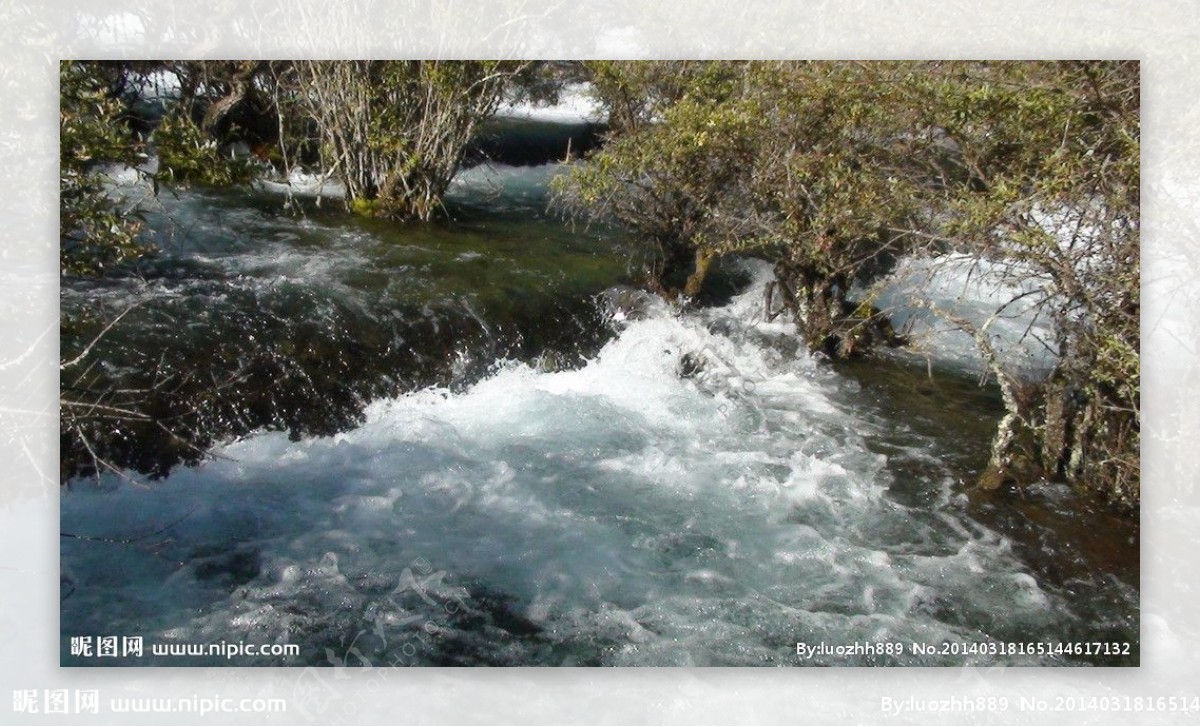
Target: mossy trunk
x,y
1061,431
695,281
827,318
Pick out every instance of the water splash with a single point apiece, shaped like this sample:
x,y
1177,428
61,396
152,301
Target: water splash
x,y
696,493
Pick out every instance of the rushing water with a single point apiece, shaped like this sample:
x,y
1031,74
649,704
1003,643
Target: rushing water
x,y
252,317
481,461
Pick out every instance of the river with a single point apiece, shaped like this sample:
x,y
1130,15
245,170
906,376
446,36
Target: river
x,y
445,444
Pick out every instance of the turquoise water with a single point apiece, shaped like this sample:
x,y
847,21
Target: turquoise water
x,y
434,444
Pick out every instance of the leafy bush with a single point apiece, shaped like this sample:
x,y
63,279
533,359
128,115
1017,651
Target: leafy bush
x,y
833,169
95,233
186,155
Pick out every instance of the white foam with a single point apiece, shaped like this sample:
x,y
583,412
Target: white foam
x,y
304,184
576,105
617,513
978,291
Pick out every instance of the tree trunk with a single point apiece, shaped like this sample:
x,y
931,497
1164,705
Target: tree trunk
x,y
695,281
219,117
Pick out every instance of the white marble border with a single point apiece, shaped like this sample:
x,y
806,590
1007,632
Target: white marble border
x,y
1164,35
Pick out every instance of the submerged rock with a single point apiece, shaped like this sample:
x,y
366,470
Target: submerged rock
x,y
691,364
626,303
234,567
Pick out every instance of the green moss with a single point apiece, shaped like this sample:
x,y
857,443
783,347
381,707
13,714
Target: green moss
x,y
364,207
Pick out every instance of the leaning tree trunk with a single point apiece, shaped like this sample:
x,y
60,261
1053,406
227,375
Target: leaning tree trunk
x,y
240,102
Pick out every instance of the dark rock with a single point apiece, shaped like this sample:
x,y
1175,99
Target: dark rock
x,y
233,568
690,365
